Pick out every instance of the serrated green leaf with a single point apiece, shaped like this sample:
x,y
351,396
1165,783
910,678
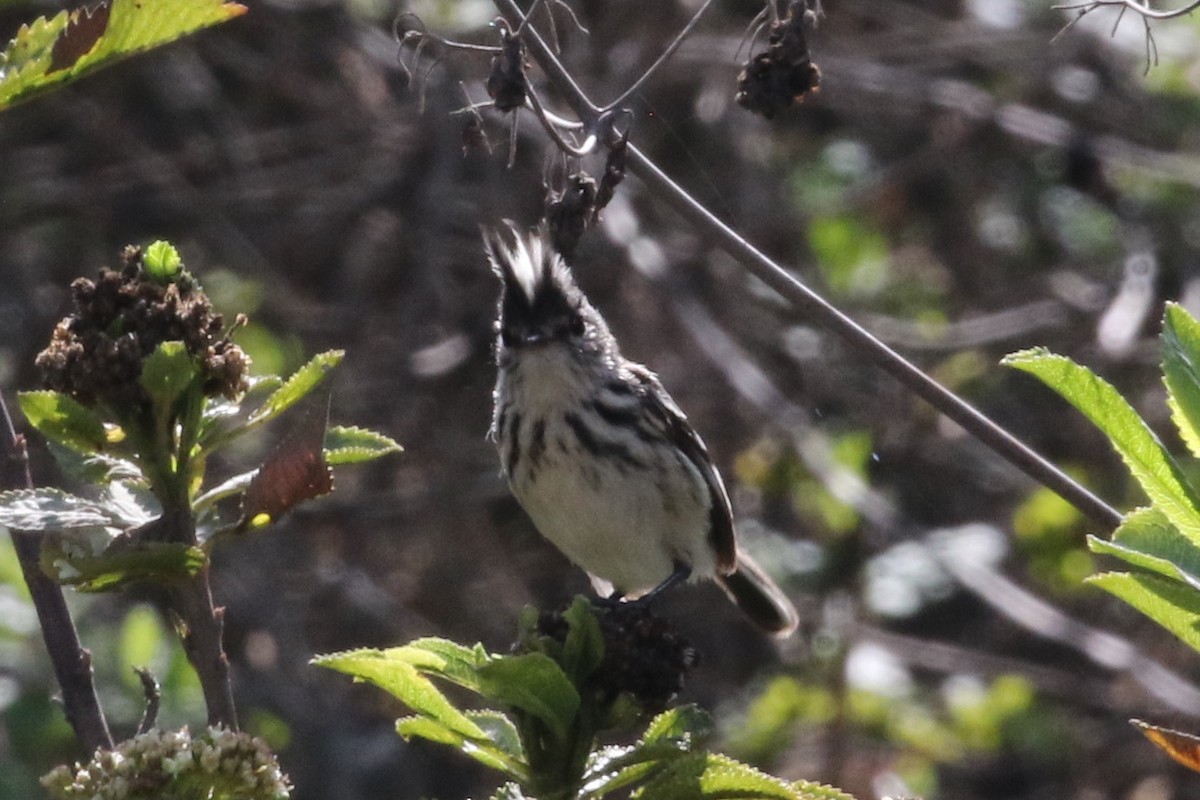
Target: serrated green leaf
x,y
297,387
1171,604
613,768
48,509
352,445
167,373
686,721
50,52
483,751
1151,465
95,468
510,791
1181,372
157,562
162,261
1147,539
711,776
807,790
535,684
443,658
62,419
401,679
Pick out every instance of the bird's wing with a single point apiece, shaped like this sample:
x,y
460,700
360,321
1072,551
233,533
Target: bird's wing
x,y
674,424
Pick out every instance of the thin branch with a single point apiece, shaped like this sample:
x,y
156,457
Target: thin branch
x,y
72,663
813,305
662,59
1143,9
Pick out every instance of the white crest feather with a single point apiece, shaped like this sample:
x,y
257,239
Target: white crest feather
x,y
524,258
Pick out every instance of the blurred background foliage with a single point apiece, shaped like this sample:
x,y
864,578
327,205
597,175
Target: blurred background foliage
x,y
962,185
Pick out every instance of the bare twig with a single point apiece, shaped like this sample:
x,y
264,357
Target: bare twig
x,y
662,59
72,663
813,305
1142,8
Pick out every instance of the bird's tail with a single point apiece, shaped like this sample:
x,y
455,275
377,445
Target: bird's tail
x,y
753,591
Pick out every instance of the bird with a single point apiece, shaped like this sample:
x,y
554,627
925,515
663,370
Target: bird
x,y
596,451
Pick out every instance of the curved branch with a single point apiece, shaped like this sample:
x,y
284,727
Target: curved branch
x,y
71,661
1143,9
816,307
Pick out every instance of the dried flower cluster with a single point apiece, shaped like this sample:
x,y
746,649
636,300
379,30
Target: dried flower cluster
x,y
219,763
119,319
643,655
784,73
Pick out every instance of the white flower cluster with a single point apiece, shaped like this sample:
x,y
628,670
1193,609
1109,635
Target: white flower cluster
x,y
218,763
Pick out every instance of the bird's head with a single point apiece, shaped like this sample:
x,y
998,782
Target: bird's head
x,y
540,304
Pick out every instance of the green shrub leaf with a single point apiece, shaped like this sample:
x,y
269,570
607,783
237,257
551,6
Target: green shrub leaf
x,y
401,679
297,387
1147,539
352,445
683,722
1181,372
162,261
167,373
48,509
583,648
535,684
482,751
1152,467
157,562
51,52
62,419
1170,603
711,776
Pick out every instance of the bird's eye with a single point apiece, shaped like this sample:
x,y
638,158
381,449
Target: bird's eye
x,y
576,325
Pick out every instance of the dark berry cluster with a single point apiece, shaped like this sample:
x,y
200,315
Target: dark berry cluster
x,y
784,73
643,655
119,319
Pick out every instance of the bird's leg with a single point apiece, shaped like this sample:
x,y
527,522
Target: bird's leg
x,y
682,573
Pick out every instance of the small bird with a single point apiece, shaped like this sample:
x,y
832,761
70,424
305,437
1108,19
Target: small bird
x,y
598,454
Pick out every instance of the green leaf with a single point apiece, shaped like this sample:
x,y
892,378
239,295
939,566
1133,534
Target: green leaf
x,y
671,735
350,445
226,489
157,562
1181,372
167,373
51,52
583,648
295,388
511,791
162,261
51,510
807,790
443,658
62,419
711,776
483,751
682,722
1170,603
1141,450
501,731
401,679
1147,539
535,684
95,468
